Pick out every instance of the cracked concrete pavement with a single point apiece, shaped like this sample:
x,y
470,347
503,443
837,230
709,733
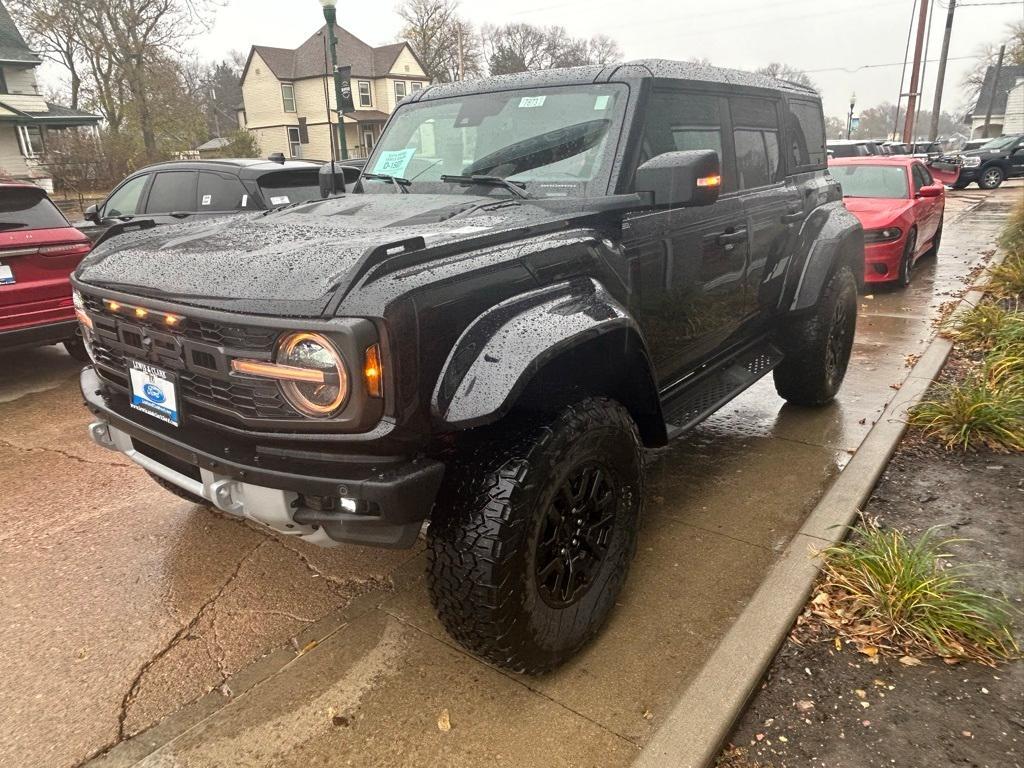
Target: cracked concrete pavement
x,y
122,603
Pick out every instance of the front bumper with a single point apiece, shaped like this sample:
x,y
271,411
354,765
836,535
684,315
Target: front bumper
x,y
882,260
392,497
39,335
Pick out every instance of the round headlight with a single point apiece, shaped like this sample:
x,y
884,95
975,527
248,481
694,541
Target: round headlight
x,y
315,353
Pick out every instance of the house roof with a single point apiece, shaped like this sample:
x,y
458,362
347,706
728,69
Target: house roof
x,y
1008,76
13,47
310,60
218,142
55,114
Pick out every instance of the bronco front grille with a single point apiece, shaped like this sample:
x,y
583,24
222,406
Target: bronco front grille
x,y
197,352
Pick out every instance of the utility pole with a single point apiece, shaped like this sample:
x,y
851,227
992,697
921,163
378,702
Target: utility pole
x,y
933,130
908,124
331,17
995,87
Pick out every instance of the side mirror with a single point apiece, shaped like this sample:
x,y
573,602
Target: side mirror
x,y
692,177
92,214
932,190
332,179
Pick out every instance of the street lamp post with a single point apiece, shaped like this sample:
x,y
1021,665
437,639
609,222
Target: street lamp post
x,y
331,17
849,119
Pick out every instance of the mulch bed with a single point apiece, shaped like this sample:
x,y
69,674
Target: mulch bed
x,y
823,705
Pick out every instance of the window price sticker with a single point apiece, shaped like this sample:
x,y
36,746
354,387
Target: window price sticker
x,y
531,101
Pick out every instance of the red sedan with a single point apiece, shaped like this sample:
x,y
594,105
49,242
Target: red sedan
x,y
38,251
900,206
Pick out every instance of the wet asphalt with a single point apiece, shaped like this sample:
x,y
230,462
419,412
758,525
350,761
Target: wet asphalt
x,y
120,603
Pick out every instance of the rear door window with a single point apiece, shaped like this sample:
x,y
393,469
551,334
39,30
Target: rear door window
x,y
220,192
756,135
285,187
25,208
173,191
806,129
125,201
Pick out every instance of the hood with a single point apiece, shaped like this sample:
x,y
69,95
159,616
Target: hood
x,y
877,212
292,261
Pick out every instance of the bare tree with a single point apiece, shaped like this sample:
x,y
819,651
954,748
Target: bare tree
x,y
52,29
446,44
603,50
786,72
525,47
986,57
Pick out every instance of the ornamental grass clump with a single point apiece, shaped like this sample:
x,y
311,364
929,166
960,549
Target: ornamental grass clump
x,y
1006,280
982,325
985,410
887,592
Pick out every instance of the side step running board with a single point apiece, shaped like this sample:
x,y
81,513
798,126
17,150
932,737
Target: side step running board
x,y
693,403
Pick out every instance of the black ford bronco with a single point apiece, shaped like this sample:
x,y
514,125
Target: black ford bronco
x,y
536,277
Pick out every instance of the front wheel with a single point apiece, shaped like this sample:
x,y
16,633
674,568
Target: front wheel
x,y
907,260
817,345
991,177
76,348
534,531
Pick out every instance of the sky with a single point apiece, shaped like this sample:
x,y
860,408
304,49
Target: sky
x,y
838,42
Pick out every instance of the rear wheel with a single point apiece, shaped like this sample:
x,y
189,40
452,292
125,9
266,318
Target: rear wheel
x,y
818,345
991,177
533,534
907,260
960,184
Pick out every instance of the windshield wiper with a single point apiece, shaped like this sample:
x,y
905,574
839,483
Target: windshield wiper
x,y
398,181
515,187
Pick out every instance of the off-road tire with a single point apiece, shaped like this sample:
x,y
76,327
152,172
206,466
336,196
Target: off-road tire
x,y
906,274
500,497
991,177
181,493
817,345
76,348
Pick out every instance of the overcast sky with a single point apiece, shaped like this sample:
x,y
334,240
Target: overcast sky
x,y
814,35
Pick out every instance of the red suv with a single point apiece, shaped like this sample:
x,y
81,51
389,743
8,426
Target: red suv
x,y
38,251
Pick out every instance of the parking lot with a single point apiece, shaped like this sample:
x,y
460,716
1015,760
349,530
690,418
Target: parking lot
x,y
125,603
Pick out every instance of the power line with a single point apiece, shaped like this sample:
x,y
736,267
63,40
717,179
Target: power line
x,y
851,70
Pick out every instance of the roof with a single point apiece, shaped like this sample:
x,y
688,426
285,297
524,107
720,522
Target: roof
x,y
630,70
368,116
875,160
1008,76
13,47
218,142
247,167
310,58
55,114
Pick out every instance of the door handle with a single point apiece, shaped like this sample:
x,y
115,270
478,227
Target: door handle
x,y
793,218
730,238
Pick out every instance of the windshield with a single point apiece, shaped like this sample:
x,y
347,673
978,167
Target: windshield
x,y
284,187
23,208
1000,143
872,180
555,142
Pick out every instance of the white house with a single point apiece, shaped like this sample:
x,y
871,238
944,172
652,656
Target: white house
x,y
26,118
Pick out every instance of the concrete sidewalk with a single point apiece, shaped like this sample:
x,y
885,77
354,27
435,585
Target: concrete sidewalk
x,y
377,670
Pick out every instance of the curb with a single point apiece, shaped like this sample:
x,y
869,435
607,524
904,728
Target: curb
x,y
693,732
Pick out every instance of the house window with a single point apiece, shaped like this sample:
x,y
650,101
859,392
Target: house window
x,y
364,93
30,140
399,90
288,96
367,141
294,142
416,86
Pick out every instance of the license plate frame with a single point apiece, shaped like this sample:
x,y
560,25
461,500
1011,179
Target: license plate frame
x,y
154,391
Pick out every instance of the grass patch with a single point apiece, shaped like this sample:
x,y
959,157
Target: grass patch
x,y
985,324
885,591
1012,237
1006,280
983,410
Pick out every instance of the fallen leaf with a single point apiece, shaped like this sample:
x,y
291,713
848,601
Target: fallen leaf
x,y
309,646
821,599
868,650
648,715
444,721
783,739
861,694
839,643
804,705
865,704
910,661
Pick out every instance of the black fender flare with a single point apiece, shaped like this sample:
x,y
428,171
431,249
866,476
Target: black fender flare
x,y
500,353
830,236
